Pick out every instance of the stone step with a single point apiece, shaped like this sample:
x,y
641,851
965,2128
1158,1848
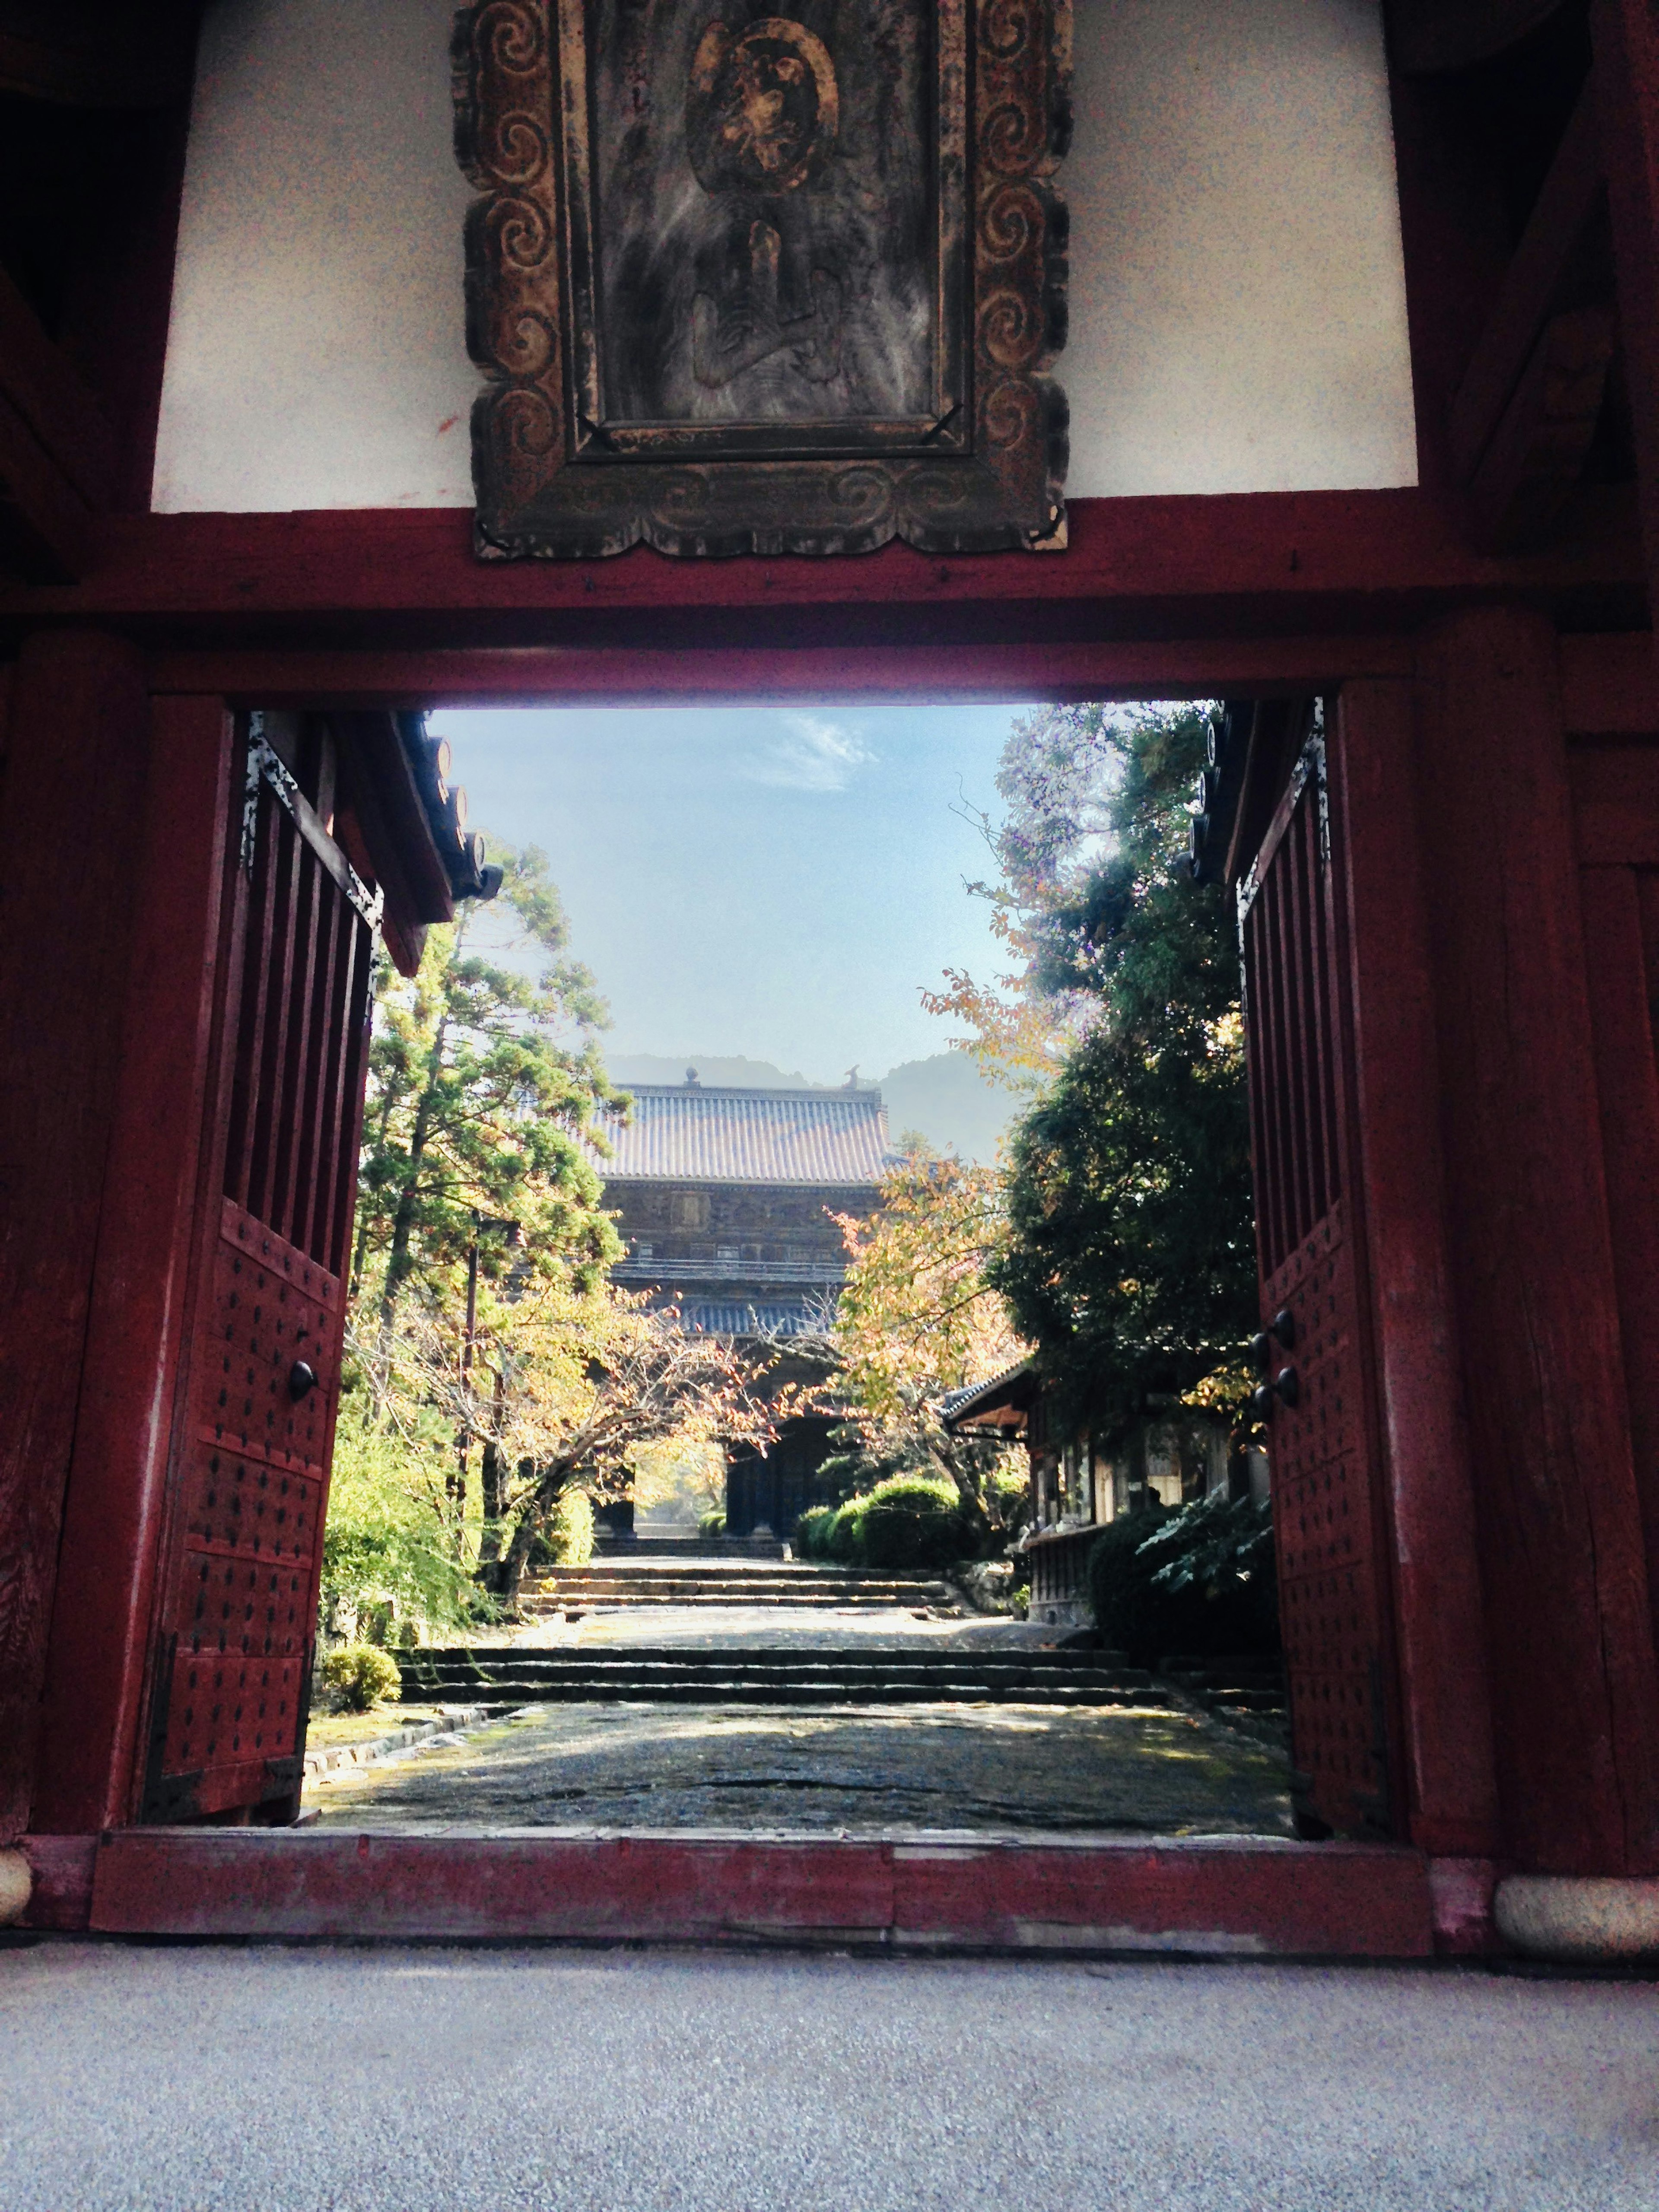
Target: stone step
x,y
731,1570
507,1678
1127,1678
470,1656
507,1696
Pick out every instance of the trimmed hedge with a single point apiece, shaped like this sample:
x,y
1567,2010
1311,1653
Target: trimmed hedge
x,y
1201,1580
907,1521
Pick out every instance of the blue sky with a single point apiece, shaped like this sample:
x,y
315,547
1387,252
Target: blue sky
x,y
776,883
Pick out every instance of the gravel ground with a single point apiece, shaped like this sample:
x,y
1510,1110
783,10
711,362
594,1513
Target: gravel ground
x,y
399,2080
840,1769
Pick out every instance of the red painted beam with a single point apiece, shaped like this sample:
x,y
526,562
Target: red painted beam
x,y
1188,568
1243,1895
272,676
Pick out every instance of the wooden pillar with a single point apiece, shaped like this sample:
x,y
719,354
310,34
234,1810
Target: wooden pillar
x,y
1574,1694
1626,46
1627,1082
74,788
91,1758
1440,1627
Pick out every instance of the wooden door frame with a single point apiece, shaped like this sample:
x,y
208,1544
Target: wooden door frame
x,y
1607,683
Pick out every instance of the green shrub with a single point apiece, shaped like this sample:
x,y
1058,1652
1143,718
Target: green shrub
x,y
361,1676
388,1552
910,1520
812,1537
569,1531
1201,1580
712,1524
906,1521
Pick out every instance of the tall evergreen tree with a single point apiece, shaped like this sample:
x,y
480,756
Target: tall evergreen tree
x,y
485,1080
1129,1260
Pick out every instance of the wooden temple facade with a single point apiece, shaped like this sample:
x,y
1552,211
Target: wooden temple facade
x,y
1439,804
727,1199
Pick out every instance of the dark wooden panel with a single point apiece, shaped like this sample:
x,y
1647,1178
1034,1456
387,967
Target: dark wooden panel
x,y
51,397
147,1240
1621,939
1575,1697
1626,82
1573,194
77,762
1440,1629
43,518
1609,686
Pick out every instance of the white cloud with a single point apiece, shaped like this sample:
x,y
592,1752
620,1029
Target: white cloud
x,y
809,755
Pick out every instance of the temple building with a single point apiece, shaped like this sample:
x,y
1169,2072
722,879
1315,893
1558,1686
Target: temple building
x,y
727,1201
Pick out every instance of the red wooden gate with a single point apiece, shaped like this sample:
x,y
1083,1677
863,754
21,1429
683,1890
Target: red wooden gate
x,y
1329,1498
254,1429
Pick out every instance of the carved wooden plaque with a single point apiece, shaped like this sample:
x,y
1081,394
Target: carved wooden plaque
x,y
771,283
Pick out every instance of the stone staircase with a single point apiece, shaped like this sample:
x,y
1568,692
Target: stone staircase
x,y
505,1677
704,1581
1248,1691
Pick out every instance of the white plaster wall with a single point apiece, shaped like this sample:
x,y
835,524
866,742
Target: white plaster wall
x,y
316,356
1237,310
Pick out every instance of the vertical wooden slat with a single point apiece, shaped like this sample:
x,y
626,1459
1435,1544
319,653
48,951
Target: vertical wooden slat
x,y
1277,1069
313,888
351,1117
289,854
1324,1062
333,916
337,1159
252,969
1304,995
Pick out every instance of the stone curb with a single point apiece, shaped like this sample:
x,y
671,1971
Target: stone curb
x,y
363,1754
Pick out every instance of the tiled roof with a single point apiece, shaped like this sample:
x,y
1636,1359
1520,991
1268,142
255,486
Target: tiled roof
x,y
681,1132
970,1398
720,1317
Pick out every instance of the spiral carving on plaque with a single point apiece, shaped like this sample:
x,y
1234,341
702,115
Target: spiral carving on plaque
x,y
738,278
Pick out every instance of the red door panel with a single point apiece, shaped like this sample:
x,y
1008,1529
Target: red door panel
x,y
238,1601
1328,1512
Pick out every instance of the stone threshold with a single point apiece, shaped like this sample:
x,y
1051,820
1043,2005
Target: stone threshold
x,y
914,1891
450,1718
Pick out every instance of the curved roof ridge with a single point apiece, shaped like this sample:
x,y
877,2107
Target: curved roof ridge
x,y
685,1133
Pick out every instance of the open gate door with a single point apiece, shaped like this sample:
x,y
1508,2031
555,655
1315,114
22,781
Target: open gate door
x,y
1329,1507
254,1428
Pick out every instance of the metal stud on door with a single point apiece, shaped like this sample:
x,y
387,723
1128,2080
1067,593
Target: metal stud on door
x,y
1312,1352
253,1443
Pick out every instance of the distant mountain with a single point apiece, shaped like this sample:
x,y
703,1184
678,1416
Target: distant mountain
x,y
947,1100
741,1074
944,1098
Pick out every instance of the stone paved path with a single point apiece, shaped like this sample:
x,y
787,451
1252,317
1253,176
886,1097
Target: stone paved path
x,y
416,2079
735,1627
842,1768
